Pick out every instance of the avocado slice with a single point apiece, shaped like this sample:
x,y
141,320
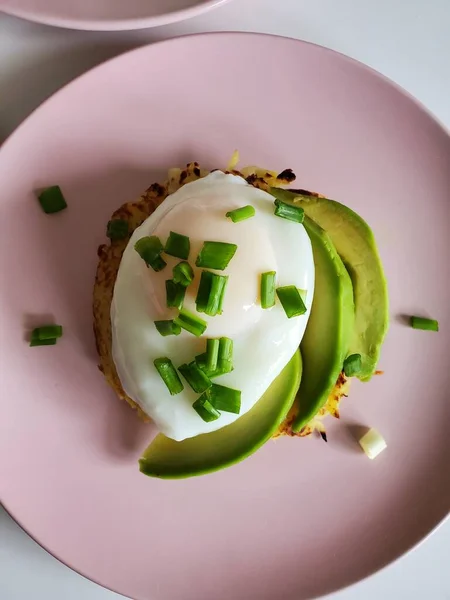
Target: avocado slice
x,y
168,459
355,244
330,325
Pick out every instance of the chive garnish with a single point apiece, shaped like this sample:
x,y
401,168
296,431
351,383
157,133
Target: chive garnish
x,y
183,273
205,409
224,398
117,229
178,245
215,255
216,295
168,327
204,289
175,293
291,301
268,289
169,375
288,211
225,358
212,354
424,323
52,200
195,325
241,214
211,293
195,377
201,360
352,365
38,342
47,332
149,249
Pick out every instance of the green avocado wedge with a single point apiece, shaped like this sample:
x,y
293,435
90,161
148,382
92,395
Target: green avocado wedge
x,y
330,325
168,459
355,244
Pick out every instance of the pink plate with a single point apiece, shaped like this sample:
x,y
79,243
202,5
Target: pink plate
x,y
107,15
300,518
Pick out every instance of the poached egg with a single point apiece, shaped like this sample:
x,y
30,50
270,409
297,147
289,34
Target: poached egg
x,y
264,339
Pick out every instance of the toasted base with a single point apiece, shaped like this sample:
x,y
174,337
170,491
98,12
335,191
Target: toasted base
x,y
110,256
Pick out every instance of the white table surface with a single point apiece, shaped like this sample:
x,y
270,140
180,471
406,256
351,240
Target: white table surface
x,y
407,40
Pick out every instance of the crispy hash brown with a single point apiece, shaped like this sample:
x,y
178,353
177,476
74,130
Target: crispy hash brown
x,y
110,255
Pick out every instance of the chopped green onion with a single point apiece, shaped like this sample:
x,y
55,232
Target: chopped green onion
x,y
212,354
178,245
268,289
183,273
224,398
205,409
215,255
169,375
291,301
195,377
195,325
47,332
201,360
204,289
373,443
225,360
175,293
168,327
424,323
241,214
288,211
52,200
149,249
211,293
37,341
352,365
117,229
216,295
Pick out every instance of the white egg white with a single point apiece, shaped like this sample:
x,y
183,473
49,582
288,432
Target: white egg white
x,y
264,340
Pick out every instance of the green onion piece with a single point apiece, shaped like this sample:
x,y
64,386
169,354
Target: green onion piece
x,y
35,341
225,359
205,409
212,354
195,377
47,332
201,360
168,327
195,325
215,255
268,289
52,200
241,214
175,293
291,301
183,273
117,229
424,323
169,375
204,290
352,365
178,245
216,295
149,249
288,211
224,398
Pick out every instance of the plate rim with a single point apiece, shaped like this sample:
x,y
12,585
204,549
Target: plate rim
x,y
228,34
126,24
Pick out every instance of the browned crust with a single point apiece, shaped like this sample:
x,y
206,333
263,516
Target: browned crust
x,y
110,255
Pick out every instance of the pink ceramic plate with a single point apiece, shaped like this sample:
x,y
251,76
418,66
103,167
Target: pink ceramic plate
x,y
300,517
107,15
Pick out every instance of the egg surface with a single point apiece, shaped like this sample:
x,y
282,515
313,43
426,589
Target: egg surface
x,y
264,339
